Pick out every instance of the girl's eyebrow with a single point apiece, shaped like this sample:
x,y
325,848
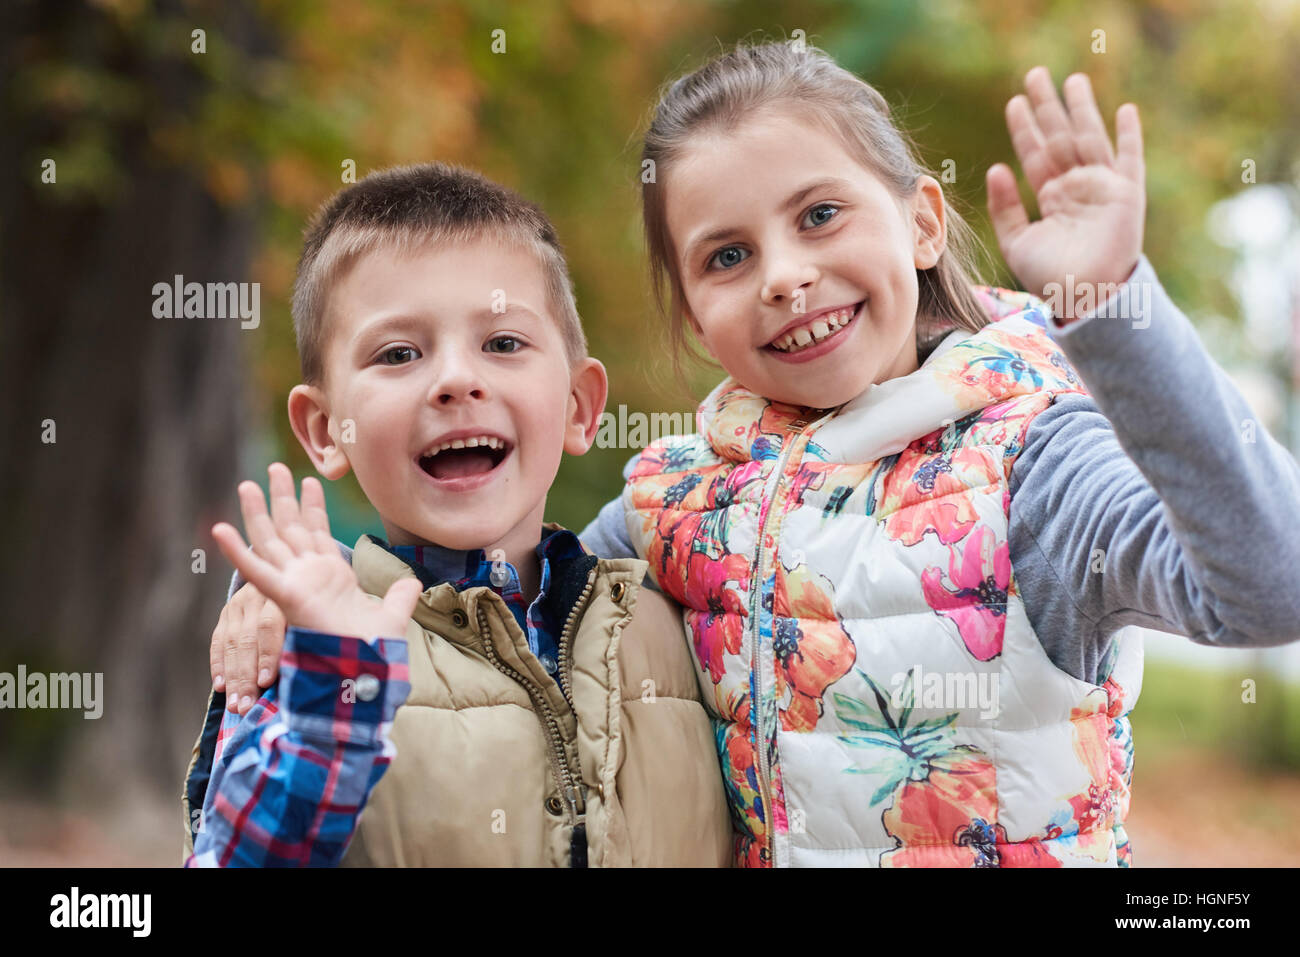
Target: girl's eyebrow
x,y
826,182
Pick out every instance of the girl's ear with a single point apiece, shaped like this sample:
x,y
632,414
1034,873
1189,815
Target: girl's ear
x,y
310,418
588,389
931,237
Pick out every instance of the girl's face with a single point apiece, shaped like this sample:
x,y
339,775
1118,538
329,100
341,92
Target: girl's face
x,y
798,265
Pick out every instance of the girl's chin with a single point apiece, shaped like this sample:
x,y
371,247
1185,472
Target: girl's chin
x,y
821,398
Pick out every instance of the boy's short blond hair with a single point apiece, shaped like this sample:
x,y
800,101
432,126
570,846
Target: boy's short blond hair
x,y
405,208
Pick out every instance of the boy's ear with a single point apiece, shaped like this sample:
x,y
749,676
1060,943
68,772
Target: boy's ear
x,y
309,415
589,387
931,224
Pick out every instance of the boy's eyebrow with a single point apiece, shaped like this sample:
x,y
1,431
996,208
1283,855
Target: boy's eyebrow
x,y
508,309
400,321
384,326
795,198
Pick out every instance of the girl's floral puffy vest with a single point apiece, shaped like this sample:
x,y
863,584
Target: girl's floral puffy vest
x,y
879,695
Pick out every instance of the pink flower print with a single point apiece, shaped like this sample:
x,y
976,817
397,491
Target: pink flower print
x,y
976,600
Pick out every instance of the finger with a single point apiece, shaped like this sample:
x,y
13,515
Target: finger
x,y
400,601
217,653
314,516
284,510
1052,119
270,639
244,660
1005,209
1027,141
1090,137
262,533
255,569
1128,137
230,655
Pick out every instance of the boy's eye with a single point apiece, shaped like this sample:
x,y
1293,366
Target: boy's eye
x,y
398,355
819,215
728,256
508,339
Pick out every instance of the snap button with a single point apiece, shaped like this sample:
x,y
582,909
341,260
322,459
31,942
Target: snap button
x,y
617,591
549,664
459,618
553,806
367,688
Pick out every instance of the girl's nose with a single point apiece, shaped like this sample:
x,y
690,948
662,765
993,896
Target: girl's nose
x,y
784,280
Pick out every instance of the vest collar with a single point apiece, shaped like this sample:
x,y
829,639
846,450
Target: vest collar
x,y
377,568
965,373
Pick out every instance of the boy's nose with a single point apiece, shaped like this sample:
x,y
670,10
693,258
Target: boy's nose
x,y
452,395
457,382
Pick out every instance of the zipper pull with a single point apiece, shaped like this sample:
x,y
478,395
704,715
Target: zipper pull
x,y
571,795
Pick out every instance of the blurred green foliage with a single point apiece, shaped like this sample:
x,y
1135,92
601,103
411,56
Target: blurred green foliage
x,y
558,115
314,83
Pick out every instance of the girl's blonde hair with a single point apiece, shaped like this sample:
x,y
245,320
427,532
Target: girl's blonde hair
x,y
719,95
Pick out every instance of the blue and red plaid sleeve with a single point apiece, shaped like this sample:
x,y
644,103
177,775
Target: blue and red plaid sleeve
x,y
291,777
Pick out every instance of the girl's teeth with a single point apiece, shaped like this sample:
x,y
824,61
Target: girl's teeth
x,y
820,329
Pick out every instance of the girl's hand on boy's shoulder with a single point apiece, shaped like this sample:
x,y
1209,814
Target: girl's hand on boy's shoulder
x,y
296,564
1092,198
246,645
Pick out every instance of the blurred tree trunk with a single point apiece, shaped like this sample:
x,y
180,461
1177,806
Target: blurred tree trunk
x,y
101,523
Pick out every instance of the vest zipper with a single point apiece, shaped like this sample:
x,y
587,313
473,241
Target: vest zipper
x,y
564,665
765,794
569,786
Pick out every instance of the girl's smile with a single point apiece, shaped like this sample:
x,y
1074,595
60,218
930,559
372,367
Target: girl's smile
x,y
812,338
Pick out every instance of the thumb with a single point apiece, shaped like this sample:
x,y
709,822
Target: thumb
x,y
401,598
1005,209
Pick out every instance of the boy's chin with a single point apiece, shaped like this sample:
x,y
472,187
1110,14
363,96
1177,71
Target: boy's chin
x,y
468,533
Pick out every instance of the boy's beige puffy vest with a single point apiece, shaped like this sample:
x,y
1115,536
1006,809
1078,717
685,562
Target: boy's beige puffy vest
x,y
493,766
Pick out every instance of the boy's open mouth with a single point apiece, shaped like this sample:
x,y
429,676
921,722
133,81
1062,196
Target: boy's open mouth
x,y
459,458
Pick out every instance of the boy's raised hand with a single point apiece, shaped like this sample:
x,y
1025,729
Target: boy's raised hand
x,y
1092,199
297,565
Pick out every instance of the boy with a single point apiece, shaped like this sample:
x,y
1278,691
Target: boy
x,y
553,715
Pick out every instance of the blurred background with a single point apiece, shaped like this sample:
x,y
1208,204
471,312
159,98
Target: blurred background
x,y
149,139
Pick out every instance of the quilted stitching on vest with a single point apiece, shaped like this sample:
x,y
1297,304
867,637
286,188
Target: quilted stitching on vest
x,y
884,558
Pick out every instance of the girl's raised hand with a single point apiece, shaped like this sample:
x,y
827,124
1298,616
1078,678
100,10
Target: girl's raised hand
x,y
1092,199
296,564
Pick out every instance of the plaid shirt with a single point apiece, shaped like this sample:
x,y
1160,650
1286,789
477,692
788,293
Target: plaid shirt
x,y
288,783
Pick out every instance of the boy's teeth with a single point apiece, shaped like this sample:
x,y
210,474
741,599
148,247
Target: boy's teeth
x,y
472,442
816,331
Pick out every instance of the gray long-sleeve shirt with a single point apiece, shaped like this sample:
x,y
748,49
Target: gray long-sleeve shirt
x,y
1159,501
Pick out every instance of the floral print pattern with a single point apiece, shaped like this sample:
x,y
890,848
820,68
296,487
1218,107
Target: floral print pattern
x,y
767,531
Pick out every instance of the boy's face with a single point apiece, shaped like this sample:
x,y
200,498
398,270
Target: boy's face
x,y
451,341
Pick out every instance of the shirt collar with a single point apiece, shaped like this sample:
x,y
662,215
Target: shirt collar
x,y
456,565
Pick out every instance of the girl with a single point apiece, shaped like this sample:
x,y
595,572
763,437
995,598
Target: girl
x,y
906,533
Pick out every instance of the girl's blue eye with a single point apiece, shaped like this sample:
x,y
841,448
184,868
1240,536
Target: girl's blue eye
x,y
519,344
389,356
728,256
820,215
